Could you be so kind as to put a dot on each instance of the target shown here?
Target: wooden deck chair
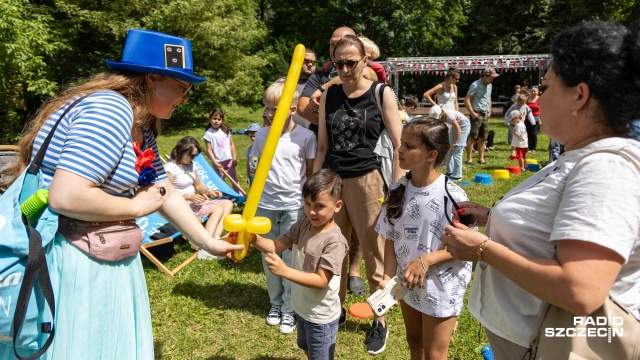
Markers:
(8, 157)
(150, 225)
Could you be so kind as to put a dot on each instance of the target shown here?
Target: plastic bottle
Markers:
(33, 207)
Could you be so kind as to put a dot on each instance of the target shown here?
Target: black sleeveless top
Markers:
(353, 128)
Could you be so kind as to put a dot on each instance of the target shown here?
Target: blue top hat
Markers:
(152, 52)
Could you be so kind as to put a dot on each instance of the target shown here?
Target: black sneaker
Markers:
(377, 339)
(343, 317)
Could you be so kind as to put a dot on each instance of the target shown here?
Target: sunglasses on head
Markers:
(467, 220)
(350, 64)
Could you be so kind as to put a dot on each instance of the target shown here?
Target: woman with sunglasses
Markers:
(446, 92)
(569, 234)
(351, 121)
(102, 166)
(183, 174)
(412, 220)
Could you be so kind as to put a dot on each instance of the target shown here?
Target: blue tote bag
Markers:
(27, 306)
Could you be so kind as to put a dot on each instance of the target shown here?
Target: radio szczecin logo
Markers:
(590, 327)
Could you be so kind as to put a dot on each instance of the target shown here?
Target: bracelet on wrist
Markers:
(321, 89)
(481, 249)
(422, 263)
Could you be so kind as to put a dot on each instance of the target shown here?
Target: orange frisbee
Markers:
(361, 310)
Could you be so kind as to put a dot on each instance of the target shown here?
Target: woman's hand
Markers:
(215, 194)
(232, 238)
(470, 208)
(223, 247)
(234, 162)
(462, 242)
(196, 198)
(148, 199)
(275, 264)
(414, 273)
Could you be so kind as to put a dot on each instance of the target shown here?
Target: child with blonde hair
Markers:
(281, 199)
(373, 52)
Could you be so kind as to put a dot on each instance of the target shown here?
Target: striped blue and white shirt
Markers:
(94, 141)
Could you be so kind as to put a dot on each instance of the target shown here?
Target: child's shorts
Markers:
(203, 209)
(521, 153)
(319, 340)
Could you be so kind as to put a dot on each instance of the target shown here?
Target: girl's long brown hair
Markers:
(132, 86)
(434, 135)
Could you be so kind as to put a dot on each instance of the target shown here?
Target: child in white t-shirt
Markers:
(525, 111)
(519, 140)
(220, 147)
(281, 199)
(319, 248)
(412, 220)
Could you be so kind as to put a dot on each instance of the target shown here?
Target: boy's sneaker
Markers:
(288, 323)
(377, 339)
(275, 316)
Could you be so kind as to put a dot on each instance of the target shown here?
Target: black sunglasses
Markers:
(340, 64)
(465, 219)
(193, 156)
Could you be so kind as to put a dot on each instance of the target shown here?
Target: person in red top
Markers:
(532, 130)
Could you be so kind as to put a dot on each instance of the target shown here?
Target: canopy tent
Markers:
(467, 64)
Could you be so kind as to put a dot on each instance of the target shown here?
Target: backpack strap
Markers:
(379, 91)
(36, 268)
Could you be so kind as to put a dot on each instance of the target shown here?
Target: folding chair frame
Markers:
(144, 250)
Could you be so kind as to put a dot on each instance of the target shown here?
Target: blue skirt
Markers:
(102, 308)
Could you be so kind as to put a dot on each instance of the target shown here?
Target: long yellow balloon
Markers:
(249, 223)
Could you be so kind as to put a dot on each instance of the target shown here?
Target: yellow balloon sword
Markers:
(248, 222)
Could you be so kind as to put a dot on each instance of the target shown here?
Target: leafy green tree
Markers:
(25, 41)
(398, 27)
(224, 37)
(521, 27)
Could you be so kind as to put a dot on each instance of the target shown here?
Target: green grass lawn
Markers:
(216, 309)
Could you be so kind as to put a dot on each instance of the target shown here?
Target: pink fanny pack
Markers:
(105, 241)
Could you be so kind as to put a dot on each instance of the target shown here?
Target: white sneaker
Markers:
(288, 323)
(204, 255)
(275, 316)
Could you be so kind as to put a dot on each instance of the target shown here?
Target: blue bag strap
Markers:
(36, 262)
(34, 167)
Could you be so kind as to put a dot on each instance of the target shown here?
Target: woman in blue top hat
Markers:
(102, 308)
